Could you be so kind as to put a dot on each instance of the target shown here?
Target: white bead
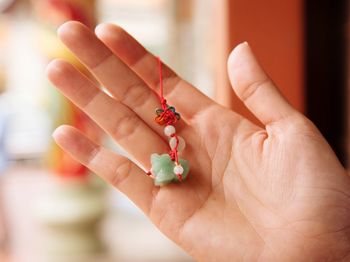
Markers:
(180, 147)
(178, 170)
(169, 130)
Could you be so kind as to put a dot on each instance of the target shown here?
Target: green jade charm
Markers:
(163, 169)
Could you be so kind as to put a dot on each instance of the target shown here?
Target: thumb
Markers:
(254, 87)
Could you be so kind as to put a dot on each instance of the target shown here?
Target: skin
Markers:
(270, 193)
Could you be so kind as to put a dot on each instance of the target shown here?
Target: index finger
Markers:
(188, 99)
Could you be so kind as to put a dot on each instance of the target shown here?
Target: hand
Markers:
(276, 193)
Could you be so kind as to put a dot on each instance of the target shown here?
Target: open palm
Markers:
(270, 194)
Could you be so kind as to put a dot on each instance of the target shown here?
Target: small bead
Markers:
(180, 147)
(178, 170)
(169, 130)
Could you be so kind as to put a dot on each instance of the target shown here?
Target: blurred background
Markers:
(52, 208)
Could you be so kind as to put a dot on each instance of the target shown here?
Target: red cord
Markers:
(168, 114)
(161, 96)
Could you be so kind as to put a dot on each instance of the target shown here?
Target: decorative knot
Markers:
(169, 116)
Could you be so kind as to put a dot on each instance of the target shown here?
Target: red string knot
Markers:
(167, 116)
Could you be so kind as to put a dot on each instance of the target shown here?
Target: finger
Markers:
(113, 168)
(186, 98)
(117, 77)
(121, 82)
(133, 54)
(114, 117)
(187, 103)
(254, 87)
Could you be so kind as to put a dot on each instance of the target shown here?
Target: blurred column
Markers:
(50, 14)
